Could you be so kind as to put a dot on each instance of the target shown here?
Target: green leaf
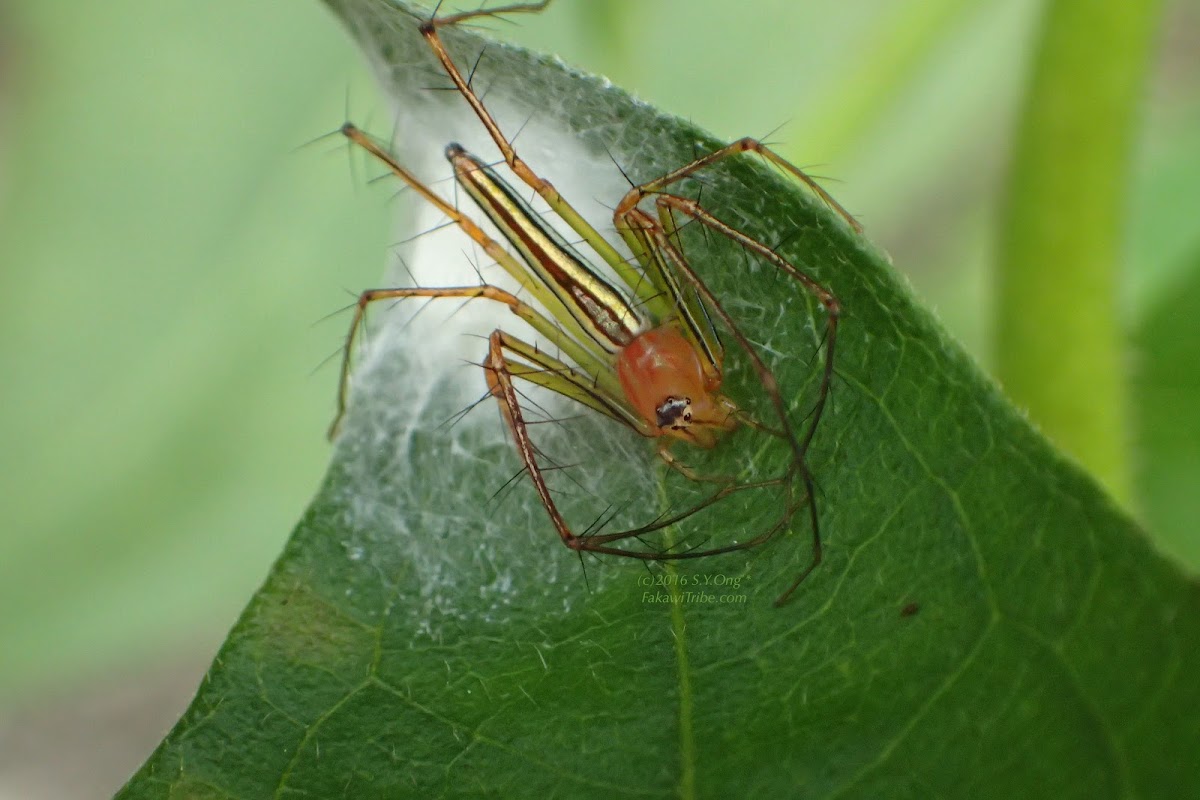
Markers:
(1168, 394)
(986, 621)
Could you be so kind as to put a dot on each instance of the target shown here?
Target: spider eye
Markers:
(675, 413)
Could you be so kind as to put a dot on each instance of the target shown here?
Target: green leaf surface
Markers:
(986, 623)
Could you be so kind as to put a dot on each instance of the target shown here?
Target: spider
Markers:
(645, 354)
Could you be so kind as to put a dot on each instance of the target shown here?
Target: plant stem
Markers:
(1060, 344)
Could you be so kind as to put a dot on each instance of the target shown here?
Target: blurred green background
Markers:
(168, 252)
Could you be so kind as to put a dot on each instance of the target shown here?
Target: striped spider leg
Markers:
(646, 355)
